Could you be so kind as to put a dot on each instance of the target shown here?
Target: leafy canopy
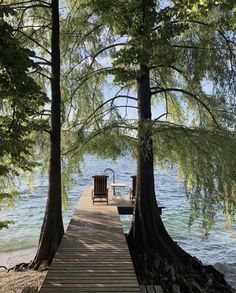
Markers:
(21, 101)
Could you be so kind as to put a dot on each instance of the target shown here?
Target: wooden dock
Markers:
(93, 255)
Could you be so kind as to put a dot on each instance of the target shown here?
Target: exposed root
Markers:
(152, 268)
(3, 267)
(40, 265)
(22, 267)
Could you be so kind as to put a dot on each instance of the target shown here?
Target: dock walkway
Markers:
(93, 255)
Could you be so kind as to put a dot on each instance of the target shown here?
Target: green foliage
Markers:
(205, 159)
(21, 101)
(109, 140)
(5, 224)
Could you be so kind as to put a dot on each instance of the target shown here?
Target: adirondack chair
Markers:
(100, 190)
(132, 190)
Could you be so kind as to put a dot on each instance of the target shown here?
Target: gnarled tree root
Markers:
(152, 268)
(23, 266)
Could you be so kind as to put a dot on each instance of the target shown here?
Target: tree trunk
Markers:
(157, 257)
(52, 229)
(147, 225)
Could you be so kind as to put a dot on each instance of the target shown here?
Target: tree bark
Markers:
(145, 191)
(52, 229)
(147, 224)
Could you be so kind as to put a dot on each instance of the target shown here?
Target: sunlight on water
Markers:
(219, 249)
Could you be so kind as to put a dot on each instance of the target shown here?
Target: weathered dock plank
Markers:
(93, 255)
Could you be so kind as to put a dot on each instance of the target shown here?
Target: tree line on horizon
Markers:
(179, 55)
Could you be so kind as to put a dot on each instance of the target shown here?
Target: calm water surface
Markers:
(219, 249)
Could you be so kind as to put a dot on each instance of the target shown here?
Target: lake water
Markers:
(219, 249)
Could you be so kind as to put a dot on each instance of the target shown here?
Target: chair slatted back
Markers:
(134, 179)
(100, 185)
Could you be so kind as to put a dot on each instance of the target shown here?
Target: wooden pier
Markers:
(93, 255)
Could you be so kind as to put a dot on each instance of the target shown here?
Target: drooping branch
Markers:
(75, 65)
(93, 57)
(96, 115)
(194, 96)
(86, 77)
(176, 127)
(46, 62)
(100, 131)
(107, 48)
(173, 67)
(108, 101)
(43, 75)
(84, 36)
(108, 127)
(231, 53)
(103, 50)
(159, 117)
(105, 112)
(35, 41)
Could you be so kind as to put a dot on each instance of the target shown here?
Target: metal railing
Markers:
(113, 176)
